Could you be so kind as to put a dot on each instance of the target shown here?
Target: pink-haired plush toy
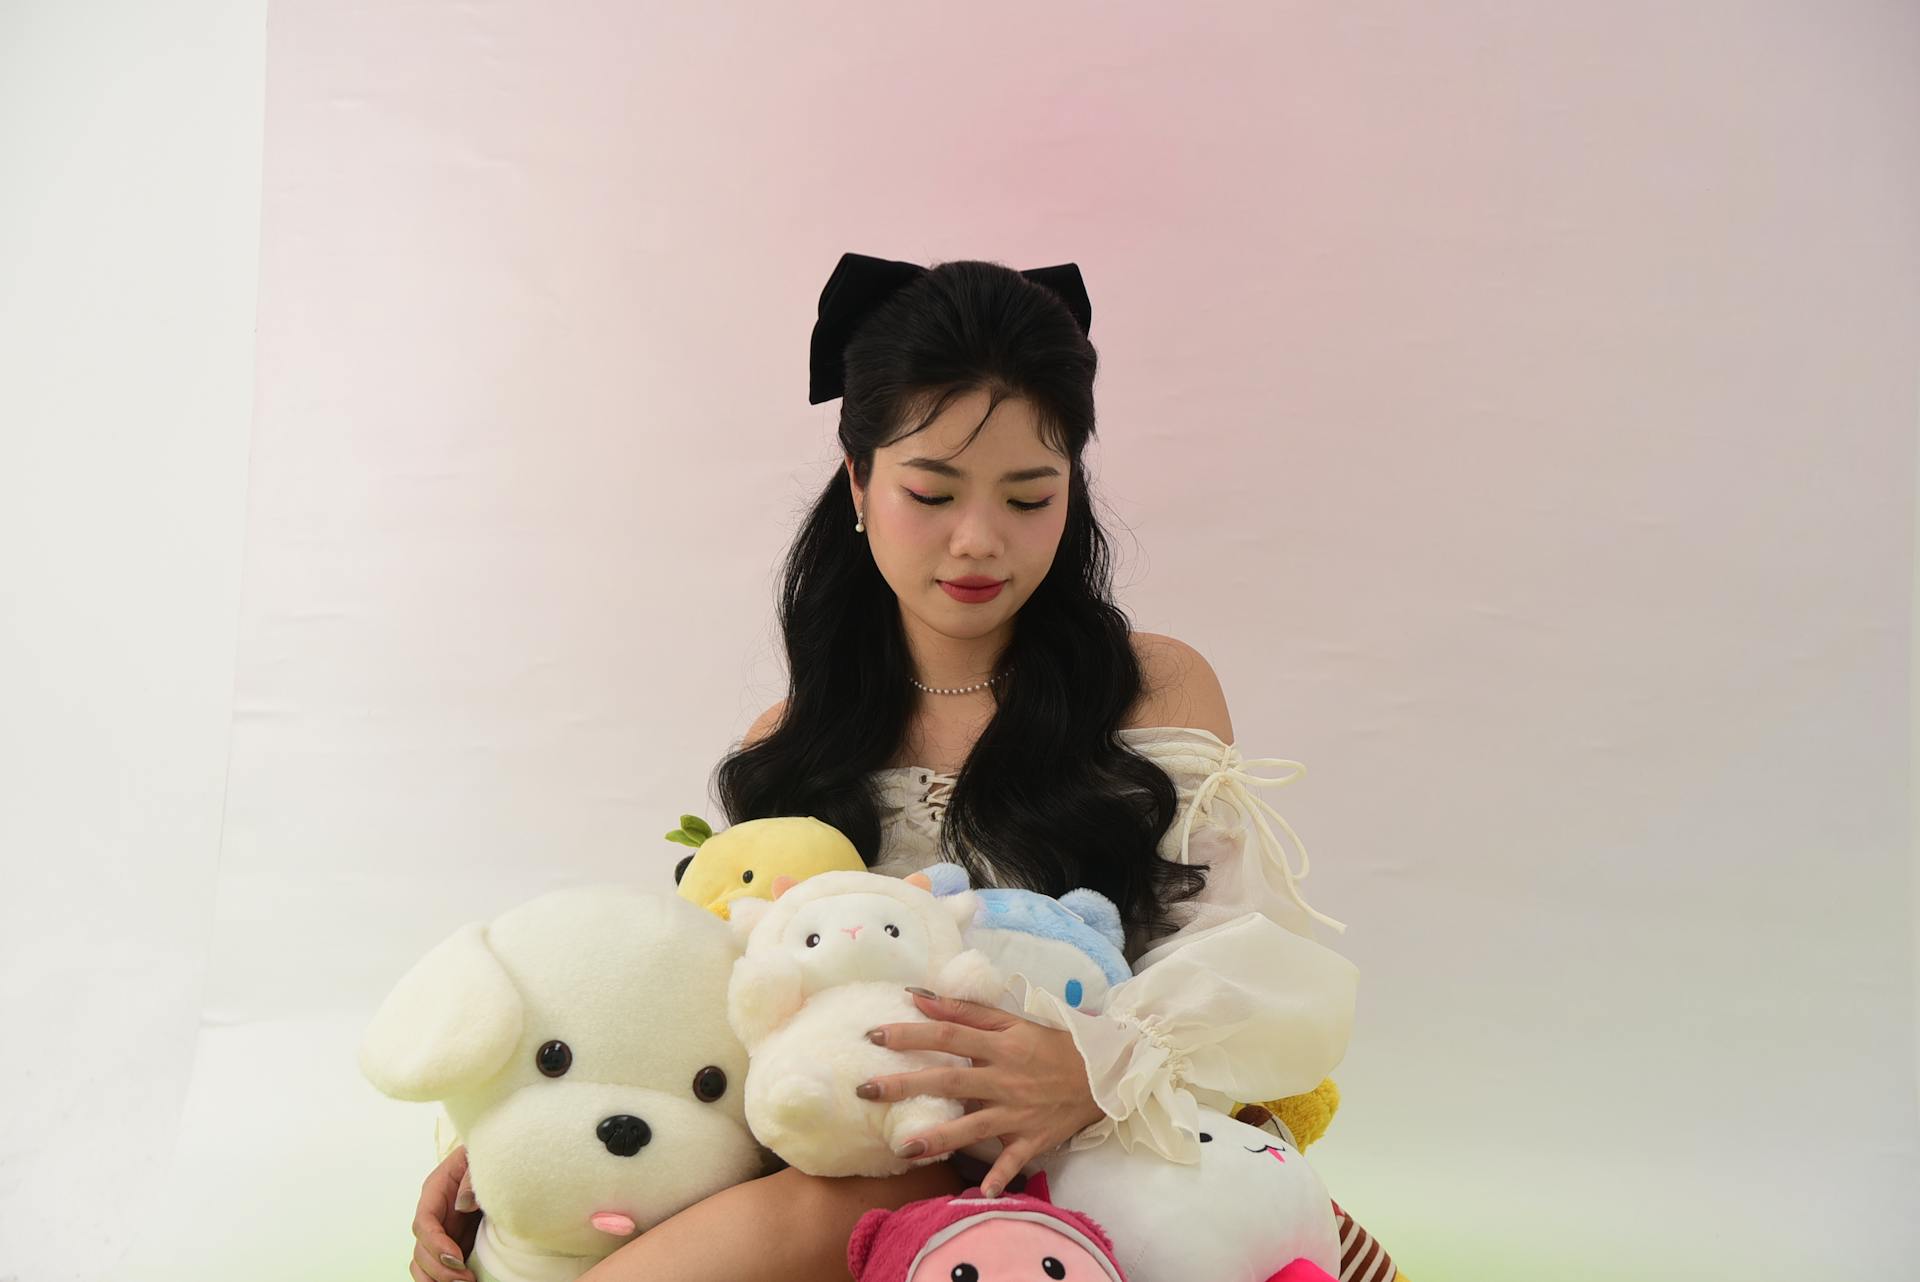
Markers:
(1017, 1237)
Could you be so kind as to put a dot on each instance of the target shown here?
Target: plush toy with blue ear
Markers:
(1070, 946)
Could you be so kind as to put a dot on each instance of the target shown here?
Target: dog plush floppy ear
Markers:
(448, 1025)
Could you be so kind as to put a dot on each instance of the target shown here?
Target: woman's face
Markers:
(995, 512)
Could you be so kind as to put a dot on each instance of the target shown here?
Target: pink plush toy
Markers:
(1017, 1237)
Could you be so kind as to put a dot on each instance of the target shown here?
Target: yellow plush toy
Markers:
(1307, 1116)
(744, 861)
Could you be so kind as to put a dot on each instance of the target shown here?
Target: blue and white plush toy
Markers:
(1070, 946)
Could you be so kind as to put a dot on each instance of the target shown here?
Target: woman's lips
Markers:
(972, 596)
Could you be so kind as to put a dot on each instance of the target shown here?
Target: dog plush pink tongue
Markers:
(612, 1222)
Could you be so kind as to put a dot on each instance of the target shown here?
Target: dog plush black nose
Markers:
(624, 1135)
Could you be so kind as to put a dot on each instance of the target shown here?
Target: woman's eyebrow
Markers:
(939, 468)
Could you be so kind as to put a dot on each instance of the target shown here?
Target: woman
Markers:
(962, 686)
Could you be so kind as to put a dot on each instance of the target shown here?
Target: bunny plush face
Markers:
(580, 1045)
(842, 927)
(860, 937)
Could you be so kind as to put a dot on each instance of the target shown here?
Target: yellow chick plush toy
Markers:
(744, 861)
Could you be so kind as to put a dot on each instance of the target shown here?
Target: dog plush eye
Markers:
(813, 941)
(709, 1084)
(1053, 1268)
(1205, 1138)
(893, 930)
(554, 1059)
(964, 1273)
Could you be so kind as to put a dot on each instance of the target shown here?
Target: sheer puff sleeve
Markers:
(1239, 1002)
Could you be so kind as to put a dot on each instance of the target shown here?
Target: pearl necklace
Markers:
(979, 685)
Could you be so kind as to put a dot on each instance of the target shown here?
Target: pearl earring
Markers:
(859, 522)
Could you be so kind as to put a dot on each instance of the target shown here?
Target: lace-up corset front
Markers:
(1214, 783)
(937, 789)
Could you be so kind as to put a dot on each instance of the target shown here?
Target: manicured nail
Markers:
(465, 1201)
(878, 1036)
(452, 1261)
(912, 1148)
(867, 1090)
(921, 992)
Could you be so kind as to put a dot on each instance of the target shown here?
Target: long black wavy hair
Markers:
(1050, 799)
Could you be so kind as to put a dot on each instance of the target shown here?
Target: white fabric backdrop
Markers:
(1517, 406)
(130, 139)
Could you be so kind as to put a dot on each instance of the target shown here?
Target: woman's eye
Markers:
(813, 941)
(893, 930)
(936, 500)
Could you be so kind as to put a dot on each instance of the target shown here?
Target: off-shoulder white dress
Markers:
(1239, 1002)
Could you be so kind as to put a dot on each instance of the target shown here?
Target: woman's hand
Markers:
(1029, 1079)
(444, 1223)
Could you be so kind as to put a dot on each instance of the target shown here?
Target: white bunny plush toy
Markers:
(579, 1043)
(827, 959)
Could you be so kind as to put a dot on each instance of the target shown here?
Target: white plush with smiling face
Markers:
(1248, 1208)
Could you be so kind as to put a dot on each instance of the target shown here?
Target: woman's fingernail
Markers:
(867, 1090)
(921, 992)
(452, 1261)
(912, 1148)
(878, 1036)
(465, 1201)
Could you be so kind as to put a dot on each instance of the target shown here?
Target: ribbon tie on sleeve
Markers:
(1232, 777)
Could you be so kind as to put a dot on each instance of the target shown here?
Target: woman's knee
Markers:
(832, 1206)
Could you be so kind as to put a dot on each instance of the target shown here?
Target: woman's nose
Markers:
(975, 538)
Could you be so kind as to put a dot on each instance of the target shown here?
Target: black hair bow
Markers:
(861, 283)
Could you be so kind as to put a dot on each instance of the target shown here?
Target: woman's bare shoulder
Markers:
(1182, 688)
(763, 725)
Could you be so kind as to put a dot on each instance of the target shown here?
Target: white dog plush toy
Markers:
(580, 1044)
(826, 960)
